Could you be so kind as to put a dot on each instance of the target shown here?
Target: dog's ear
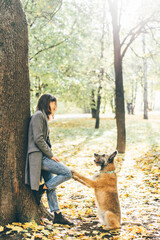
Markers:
(112, 156)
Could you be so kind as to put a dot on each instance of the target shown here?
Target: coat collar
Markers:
(45, 115)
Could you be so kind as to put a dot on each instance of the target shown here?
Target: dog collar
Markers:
(107, 171)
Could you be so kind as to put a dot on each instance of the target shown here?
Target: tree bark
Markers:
(17, 202)
(120, 109)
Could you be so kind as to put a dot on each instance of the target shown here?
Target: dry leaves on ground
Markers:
(138, 183)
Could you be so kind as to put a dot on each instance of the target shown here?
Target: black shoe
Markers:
(38, 194)
(60, 219)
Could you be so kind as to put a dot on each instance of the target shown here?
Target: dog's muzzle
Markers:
(97, 162)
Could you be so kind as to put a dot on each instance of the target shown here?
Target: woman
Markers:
(40, 158)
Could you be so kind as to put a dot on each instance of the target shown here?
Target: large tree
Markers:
(17, 201)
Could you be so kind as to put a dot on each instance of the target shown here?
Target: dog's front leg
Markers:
(81, 181)
(86, 181)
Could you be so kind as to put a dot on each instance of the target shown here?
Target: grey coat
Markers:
(38, 136)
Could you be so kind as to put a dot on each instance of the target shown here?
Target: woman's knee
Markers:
(68, 174)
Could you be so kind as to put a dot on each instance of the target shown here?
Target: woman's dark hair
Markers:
(44, 101)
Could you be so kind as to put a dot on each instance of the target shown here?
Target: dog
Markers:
(105, 187)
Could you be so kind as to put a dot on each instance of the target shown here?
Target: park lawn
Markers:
(74, 142)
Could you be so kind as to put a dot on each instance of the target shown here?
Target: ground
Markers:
(75, 141)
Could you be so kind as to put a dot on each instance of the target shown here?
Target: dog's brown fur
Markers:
(105, 187)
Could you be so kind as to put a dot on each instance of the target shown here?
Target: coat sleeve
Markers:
(38, 135)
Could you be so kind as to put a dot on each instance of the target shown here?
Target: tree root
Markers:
(44, 212)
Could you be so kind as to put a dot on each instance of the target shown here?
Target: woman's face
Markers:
(53, 106)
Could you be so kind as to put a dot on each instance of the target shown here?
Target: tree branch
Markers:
(133, 36)
(153, 35)
(54, 45)
(60, 5)
(44, 14)
(135, 32)
(129, 34)
(25, 7)
(47, 48)
(135, 53)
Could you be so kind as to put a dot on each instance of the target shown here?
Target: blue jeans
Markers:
(50, 167)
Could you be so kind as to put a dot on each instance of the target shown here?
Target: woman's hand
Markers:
(55, 159)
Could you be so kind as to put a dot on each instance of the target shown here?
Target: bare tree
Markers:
(120, 110)
(120, 49)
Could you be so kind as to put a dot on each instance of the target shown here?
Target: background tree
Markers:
(120, 109)
(145, 83)
(102, 70)
(120, 49)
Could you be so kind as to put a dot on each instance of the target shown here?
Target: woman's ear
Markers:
(112, 156)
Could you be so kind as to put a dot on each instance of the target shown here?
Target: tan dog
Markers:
(105, 187)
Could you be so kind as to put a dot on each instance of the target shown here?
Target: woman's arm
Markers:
(38, 135)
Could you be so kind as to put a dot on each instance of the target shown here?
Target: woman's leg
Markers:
(51, 194)
(62, 172)
(50, 167)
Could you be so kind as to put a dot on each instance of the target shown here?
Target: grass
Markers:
(79, 133)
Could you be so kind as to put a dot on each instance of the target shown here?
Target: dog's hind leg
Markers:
(101, 217)
(111, 220)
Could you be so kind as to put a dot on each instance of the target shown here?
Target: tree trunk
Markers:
(98, 107)
(120, 109)
(145, 90)
(93, 104)
(17, 202)
(101, 76)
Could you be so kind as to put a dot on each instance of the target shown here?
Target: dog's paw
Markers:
(73, 172)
